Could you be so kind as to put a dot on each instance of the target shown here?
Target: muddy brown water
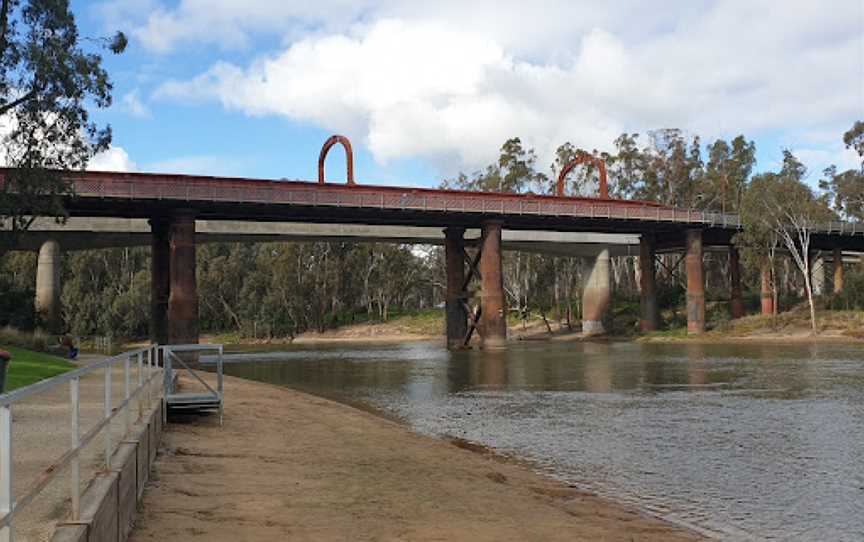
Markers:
(738, 441)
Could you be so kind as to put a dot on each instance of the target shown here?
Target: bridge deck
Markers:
(142, 195)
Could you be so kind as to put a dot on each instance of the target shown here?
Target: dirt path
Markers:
(289, 466)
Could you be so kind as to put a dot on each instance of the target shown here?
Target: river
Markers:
(737, 441)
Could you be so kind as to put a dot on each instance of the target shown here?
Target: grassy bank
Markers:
(832, 325)
(28, 367)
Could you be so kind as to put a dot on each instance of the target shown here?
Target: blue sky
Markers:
(424, 91)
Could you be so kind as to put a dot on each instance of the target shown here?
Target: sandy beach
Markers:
(287, 465)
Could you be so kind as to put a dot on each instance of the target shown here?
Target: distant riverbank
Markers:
(314, 469)
(791, 326)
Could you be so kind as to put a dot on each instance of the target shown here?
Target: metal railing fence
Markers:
(147, 375)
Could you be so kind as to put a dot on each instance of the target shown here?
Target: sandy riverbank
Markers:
(288, 465)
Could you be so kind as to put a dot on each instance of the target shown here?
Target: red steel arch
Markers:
(349, 157)
(581, 159)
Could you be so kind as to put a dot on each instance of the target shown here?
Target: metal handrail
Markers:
(168, 358)
(10, 506)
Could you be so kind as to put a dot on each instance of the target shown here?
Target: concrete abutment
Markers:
(596, 295)
(48, 285)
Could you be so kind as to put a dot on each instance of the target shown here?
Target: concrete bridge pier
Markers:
(817, 274)
(695, 283)
(183, 297)
(838, 270)
(493, 320)
(455, 314)
(596, 295)
(48, 285)
(650, 320)
(736, 301)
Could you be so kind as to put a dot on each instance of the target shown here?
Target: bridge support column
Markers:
(817, 274)
(455, 314)
(766, 294)
(183, 299)
(695, 284)
(493, 321)
(736, 302)
(838, 270)
(48, 285)
(596, 295)
(648, 284)
(160, 279)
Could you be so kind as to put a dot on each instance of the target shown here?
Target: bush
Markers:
(37, 340)
(852, 296)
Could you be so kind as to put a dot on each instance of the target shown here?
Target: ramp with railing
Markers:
(207, 397)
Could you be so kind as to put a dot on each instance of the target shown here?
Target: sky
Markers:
(425, 90)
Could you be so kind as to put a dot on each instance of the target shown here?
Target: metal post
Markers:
(125, 396)
(220, 386)
(6, 502)
(75, 440)
(166, 368)
(140, 385)
(108, 416)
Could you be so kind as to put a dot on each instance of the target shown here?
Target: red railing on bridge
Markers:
(188, 188)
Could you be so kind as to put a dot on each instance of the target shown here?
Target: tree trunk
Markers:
(809, 287)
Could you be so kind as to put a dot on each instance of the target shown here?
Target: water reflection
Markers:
(754, 441)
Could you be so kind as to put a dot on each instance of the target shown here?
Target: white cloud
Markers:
(443, 90)
(131, 103)
(817, 159)
(449, 81)
(113, 159)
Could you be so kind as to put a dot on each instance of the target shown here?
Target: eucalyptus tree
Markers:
(780, 209)
(846, 188)
(726, 174)
(47, 80)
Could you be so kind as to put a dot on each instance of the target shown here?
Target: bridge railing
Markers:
(143, 391)
(392, 198)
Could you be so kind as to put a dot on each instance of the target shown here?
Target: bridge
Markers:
(175, 206)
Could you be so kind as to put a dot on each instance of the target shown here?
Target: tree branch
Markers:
(4, 25)
(15, 103)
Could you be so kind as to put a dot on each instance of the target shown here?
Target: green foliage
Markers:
(847, 191)
(513, 172)
(17, 290)
(280, 289)
(107, 292)
(47, 80)
(854, 139)
(28, 367)
(852, 296)
(726, 174)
